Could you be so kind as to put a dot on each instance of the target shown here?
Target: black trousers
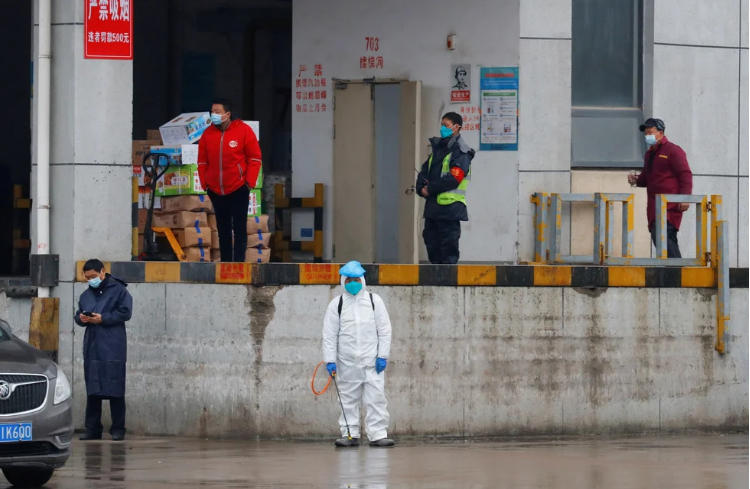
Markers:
(94, 414)
(673, 247)
(231, 216)
(441, 239)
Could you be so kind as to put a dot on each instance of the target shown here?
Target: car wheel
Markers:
(24, 477)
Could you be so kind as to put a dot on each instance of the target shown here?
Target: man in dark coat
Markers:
(103, 309)
(443, 183)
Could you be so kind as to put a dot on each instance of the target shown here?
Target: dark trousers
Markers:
(94, 414)
(441, 239)
(673, 247)
(231, 216)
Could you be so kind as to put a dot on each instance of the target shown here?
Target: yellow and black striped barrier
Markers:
(423, 275)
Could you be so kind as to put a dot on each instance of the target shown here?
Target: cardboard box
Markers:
(185, 128)
(259, 181)
(180, 220)
(257, 223)
(141, 147)
(253, 255)
(212, 222)
(142, 215)
(258, 240)
(254, 240)
(195, 203)
(193, 237)
(140, 175)
(154, 135)
(180, 180)
(255, 126)
(173, 153)
(253, 207)
(189, 154)
(257, 255)
(144, 198)
(198, 254)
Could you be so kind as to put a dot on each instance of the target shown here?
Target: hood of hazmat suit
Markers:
(354, 340)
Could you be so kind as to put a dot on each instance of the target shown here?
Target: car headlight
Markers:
(62, 387)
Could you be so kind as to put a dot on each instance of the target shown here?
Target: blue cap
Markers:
(352, 269)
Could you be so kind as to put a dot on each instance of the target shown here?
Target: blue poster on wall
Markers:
(498, 95)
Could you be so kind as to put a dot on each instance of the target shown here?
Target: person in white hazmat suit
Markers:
(356, 347)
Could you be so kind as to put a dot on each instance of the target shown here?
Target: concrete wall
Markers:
(700, 90)
(466, 361)
(412, 42)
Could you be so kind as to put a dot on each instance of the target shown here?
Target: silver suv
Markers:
(36, 421)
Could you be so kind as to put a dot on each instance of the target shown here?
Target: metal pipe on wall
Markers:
(43, 133)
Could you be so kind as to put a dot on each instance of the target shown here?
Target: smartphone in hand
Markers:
(87, 314)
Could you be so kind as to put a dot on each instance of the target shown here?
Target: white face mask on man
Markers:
(217, 119)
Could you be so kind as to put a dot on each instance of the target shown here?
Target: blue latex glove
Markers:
(380, 364)
(331, 367)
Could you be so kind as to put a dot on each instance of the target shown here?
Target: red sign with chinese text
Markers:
(108, 29)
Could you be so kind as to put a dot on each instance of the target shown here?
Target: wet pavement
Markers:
(707, 462)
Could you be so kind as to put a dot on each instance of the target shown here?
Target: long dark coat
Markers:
(105, 346)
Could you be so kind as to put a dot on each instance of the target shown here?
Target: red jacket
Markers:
(229, 159)
(665, 171)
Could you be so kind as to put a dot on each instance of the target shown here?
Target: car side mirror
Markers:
(6, 327)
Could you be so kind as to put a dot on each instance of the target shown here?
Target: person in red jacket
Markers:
(665, 171)
(228, 167)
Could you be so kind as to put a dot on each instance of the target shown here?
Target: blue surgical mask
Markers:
(216, 119)
(353, 287)
(445, 132)
(650, 140)
(95, 282)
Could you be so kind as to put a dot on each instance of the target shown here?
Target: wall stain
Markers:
(591, 292)
(261, 309)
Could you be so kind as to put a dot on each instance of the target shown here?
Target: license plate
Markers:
(15, 432)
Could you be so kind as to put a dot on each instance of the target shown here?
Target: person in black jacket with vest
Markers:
(443, 181)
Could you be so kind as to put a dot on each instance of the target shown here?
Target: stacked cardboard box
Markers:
(187, 217)
(180, 203)
(258, 240)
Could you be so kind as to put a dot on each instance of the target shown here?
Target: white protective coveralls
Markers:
(354, 341)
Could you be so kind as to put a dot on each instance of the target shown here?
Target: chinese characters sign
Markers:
(471, 117)
(498, 89)
(311, 89)
(321, 274)
(108, 29)
(460, 83)
(372, 61)
(234, 273)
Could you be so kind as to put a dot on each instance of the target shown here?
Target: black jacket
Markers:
(461, 156)
(105, 346)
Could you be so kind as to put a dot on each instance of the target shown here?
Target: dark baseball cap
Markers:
(650, 122)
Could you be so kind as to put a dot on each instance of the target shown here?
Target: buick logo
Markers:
(5, 390)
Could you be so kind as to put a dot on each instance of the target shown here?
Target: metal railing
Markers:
(548, 232)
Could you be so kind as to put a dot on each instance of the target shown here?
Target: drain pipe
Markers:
(43, 133)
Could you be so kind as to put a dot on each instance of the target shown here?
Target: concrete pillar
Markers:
(90, 154)
(90, 157)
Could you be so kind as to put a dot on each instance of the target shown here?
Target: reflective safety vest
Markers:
(457, 194)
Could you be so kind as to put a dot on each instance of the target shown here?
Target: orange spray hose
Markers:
(312, 382)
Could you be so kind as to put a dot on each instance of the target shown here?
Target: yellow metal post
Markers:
(44, 325)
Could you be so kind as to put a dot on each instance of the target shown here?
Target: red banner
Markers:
(108, 29)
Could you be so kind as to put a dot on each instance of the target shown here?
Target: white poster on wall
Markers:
(461, 83)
